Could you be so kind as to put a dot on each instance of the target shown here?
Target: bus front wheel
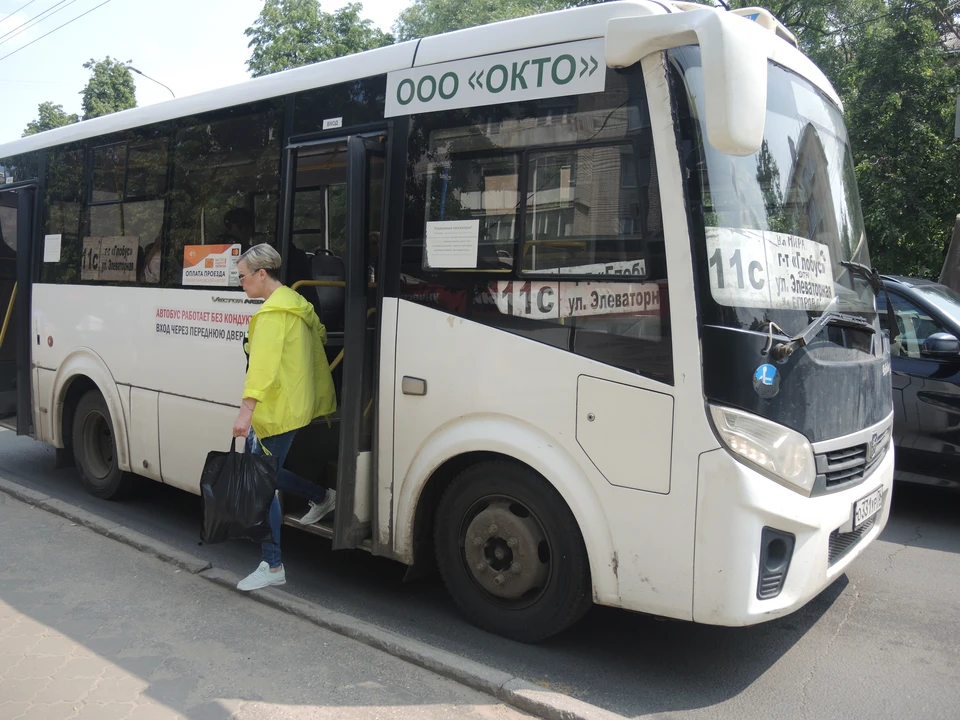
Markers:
(95, 448)
(510, 552)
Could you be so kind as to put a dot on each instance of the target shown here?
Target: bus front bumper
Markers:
(734, 506)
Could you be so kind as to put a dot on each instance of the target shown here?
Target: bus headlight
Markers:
(780, 453)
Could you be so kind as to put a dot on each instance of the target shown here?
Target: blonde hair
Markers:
(263, 257)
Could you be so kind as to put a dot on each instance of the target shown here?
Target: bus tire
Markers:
(95, 448)
(511, 553)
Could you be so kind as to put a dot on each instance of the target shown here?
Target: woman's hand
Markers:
(241, 426)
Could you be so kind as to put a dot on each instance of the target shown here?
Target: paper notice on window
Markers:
(211, 265)
(110, 259)
(51, 248)
(452, 244)
(758, 269)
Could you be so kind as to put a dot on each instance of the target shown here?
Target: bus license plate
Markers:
(867, 507)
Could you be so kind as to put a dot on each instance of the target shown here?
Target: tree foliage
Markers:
(49, 116)
(901, 118)
(109, 90)
(292, 33)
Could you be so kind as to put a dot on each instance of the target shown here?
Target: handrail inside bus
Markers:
(331, 283)
(6, 319)
(318, 283)
(577, 244)
(324, 283)
(339, 357)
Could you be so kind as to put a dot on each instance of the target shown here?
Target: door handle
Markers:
(413, 386)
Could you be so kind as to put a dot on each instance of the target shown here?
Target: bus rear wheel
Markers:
(510, 552)
(95, 448)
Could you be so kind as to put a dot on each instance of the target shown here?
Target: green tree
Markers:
(900, 106)
(110, 88)
(292, 33)
(49, 116)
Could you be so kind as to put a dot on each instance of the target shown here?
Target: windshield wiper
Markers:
(869, 274)
(872, 276)
(781, 351)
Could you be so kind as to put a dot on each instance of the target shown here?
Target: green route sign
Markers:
(550, 71)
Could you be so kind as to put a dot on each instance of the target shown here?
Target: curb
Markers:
(511, 690)
(514, 691)
(141, 542)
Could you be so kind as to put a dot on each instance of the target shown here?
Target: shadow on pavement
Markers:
(924, 516)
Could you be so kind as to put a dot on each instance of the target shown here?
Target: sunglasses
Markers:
(241, 277)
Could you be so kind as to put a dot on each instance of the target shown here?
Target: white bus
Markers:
(592, 334)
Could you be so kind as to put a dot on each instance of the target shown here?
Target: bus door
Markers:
(16, 224)
(331, 229)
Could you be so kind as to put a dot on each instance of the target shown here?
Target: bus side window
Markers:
(66, 189)
(127, 200)
(563, 197)
(317, 246)
(224, 188)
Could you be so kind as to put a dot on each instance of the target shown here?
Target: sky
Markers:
(188, 45)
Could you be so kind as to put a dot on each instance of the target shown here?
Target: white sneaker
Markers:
(262, 577)
(318, 511)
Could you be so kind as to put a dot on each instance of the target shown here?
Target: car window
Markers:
(944, 299)
(915, 326)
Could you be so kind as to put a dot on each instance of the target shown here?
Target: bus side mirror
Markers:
(941, 346)
(734, 53)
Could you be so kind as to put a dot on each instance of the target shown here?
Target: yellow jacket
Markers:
(288, 374)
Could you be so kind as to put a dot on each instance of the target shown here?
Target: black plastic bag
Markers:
(237, 490)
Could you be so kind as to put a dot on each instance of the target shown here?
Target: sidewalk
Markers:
(90, 628)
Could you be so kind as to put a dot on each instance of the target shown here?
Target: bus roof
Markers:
(518, 34)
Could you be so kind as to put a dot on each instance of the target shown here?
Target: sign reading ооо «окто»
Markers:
(552, 71)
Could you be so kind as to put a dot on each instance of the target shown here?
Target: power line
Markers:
(49, 14)
(18, 10)
(54, 30)
(37, 18)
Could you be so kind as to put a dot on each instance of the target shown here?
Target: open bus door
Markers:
(334, 214)
(16, 225)
(366, 192)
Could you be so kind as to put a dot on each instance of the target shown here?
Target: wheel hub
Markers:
(98, 441)
(506, 550)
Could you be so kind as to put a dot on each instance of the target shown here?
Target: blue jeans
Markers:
(288, 482)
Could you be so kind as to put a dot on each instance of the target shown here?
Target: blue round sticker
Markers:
(766, 381)
(765, 374)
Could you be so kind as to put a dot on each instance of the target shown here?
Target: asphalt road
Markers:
(881, 642)
(149, 641)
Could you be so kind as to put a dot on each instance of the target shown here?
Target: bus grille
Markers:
(841, 543)
(844, 466)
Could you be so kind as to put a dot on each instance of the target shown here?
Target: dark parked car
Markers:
(926, 380)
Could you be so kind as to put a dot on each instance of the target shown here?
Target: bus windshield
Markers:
(770, 233)
(776, 224)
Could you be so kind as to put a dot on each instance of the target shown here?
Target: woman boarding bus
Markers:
(288, 384)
